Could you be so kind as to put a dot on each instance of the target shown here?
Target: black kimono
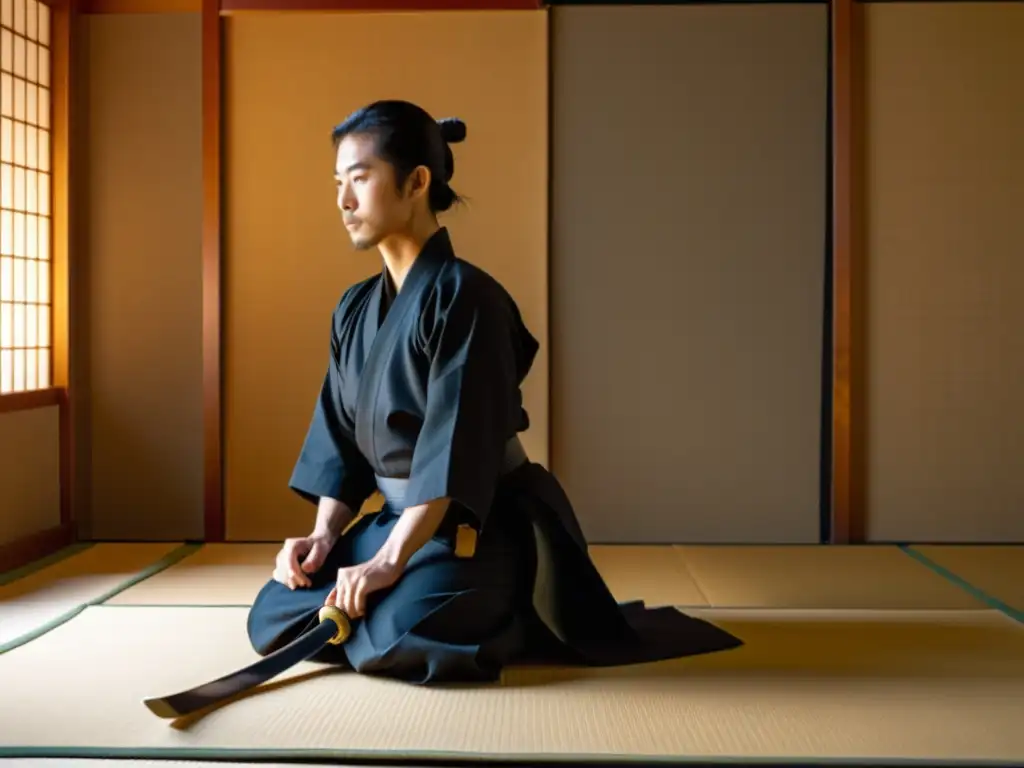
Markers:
(422, 400)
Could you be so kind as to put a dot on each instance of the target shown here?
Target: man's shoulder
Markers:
(468, 282)
(474, 294)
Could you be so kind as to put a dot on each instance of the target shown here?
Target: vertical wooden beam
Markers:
(62, 243)
(848, 269)
(213, 495)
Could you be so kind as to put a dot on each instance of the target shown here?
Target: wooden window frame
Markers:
(16, 553)
(60, 43)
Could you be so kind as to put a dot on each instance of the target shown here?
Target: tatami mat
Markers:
(32, 603)
(856, 577)
(720, 576)
(866, 685)
(996, 570)
(232, 574)
(653, 574)
(218, 574)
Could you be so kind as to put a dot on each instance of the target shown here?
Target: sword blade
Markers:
(333, 628)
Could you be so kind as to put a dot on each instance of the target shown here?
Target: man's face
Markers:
(372, 207)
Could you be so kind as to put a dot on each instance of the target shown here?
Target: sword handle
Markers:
(335, 614)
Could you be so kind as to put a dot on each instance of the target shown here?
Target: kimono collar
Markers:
(438, 247)
(436, 250)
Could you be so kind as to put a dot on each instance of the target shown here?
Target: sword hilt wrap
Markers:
(341, 621)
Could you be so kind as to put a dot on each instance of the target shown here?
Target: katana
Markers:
(334, 629)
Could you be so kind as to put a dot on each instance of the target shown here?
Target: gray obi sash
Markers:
(395, 489)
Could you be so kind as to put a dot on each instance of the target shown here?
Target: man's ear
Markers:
(418, 182)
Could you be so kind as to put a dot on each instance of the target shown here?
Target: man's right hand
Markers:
(287, 568)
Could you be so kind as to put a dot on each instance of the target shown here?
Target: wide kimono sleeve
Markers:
(329, 463)
(473, 402)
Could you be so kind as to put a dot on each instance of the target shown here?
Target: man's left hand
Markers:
(357, 582)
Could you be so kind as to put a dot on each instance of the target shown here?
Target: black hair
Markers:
(407, 137)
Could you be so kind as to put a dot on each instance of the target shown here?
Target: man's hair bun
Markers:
(453, 130)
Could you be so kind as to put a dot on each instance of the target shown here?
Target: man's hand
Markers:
(357, 582)
(414, 528)
(314, 548)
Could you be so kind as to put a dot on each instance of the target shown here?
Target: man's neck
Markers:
(400, 251)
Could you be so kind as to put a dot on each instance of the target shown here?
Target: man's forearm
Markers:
(415, 527)
(332, 517)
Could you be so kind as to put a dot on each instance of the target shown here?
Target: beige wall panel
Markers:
(687, 269)
(144, 215)
(945, 262)
(29, 472)
(289, 80)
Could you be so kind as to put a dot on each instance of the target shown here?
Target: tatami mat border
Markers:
(453, 759)
(174, 556)
(976, 592)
